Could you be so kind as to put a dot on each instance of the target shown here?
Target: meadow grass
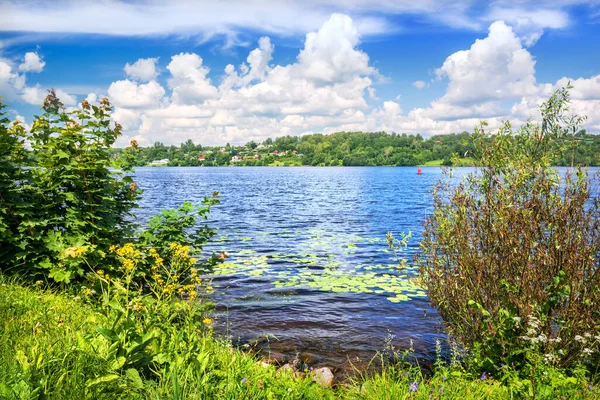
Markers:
(45, 353)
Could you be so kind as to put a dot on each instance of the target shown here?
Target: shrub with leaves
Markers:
(510, 254)
(66, 197)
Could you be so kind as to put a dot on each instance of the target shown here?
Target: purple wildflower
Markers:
(243, 381)
(483, 376)
(414, 386)
(444, 378)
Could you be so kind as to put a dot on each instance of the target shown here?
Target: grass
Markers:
(49, 350)
(462, 162)
(287, 162)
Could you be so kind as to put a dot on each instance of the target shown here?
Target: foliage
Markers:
(348, 149)
(51, 348)
(511, 253)
(68, 203)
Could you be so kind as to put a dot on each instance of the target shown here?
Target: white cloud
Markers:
(419, 84)
(330, 54)
(34, 95)
(326, 88)
(583, 89)
(143, 69)
(530, 23)
(32, 63)
(494, 68)
(208, 18)
(92, 98)
(188, 79)
(127, 93)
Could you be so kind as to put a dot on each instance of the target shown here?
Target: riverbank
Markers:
(45, 351)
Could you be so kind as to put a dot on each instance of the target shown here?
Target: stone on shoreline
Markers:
(323, 376)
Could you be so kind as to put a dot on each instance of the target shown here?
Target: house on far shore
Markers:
(275, 153)
(160, 163)
(201, 157)
(235, 159)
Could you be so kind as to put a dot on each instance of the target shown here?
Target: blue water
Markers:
(288, 231)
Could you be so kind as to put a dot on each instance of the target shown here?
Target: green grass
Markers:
(462, 162)
(45, 352)
(287, 161)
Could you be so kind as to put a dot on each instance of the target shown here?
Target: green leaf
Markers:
(134, 377)
(103, 379)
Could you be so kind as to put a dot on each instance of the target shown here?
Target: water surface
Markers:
(309, 267)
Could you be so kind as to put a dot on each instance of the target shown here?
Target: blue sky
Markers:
(236, 71)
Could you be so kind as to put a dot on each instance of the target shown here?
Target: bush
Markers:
(511, 252)
(65, 196)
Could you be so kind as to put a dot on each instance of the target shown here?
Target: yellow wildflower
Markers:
(128, 265)
(206, 321)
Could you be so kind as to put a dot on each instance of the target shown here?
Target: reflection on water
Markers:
(309, 267)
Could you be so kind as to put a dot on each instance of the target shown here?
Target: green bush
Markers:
(510, 253)
(65, 196)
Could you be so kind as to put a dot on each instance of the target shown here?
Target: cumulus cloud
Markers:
(143, 69)
(326, 90)
(188, 79)
(32, 62)
(127, 93)
(496, 67)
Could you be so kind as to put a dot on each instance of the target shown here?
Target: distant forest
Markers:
(343, 149)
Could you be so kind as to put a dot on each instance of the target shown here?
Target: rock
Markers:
(286, 368)
(309, 359)
(276, 358)
(323, 376)
(264, 364)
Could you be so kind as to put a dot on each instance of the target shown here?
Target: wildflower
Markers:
(37, 283)
(243, 381)
(414, 386)
(587, 351)
(206, 321)
(517, 319)
(587, 335)
(128, 265)
(579, 338)
(444, 378)
(549, 358)
(483, 376)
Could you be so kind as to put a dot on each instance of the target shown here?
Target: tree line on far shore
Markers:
(346, 149)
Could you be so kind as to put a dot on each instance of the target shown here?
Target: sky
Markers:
(233, 71)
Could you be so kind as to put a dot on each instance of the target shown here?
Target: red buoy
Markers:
(419, 171)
